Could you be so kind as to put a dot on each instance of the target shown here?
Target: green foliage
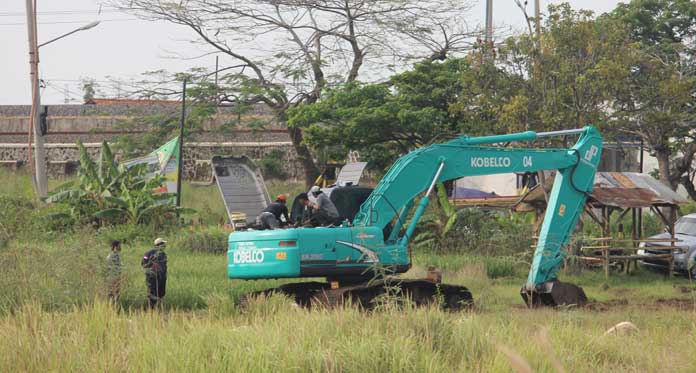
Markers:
(658, 22)
(210, 240)
(131, 234)
(476, 232)
(89, 88)
(654, 92)
(109, 194)
(504, 266)
(272, 165)
(689, 208)
(383, 121)
(15, 216)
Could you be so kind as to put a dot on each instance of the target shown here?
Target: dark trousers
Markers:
(114, 290)
(156, 288)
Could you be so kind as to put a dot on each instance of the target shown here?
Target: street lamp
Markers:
(181, 127)
(83, 28)
(40, 179)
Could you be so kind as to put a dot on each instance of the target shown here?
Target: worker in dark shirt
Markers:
(269, 218)
(155, 265)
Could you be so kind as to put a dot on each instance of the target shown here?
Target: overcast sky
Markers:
(122, 46)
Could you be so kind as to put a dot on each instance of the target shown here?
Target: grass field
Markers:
(53, 316)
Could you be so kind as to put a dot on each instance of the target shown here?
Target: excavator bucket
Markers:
(554, 293)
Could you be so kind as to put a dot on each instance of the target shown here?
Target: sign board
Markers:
(162, 161)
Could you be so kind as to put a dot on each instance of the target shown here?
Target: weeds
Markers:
(53, 316)
(208, 240)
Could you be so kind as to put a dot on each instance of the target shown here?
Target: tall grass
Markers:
(53, 316)
(275, 336)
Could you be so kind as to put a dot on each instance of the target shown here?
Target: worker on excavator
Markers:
(270, 217)
(324, 212)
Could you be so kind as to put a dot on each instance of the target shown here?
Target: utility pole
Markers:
(537, 19)
(40, 180)
(489, 22)
(180, 163)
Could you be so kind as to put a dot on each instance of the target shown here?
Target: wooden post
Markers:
(672, 233)
(606, 233)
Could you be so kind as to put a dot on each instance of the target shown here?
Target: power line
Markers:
(59, 12)
(73, 22)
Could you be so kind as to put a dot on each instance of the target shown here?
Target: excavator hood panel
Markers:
(311, 252)
(263, 254)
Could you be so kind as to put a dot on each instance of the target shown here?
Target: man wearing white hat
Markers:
(155, 265)
(324, 211)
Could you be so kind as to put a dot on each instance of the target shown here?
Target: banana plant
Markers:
(435, 226)
(107, 193)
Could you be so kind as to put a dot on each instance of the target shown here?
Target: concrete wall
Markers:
(63, 159)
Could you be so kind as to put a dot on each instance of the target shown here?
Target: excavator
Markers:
(359, 258)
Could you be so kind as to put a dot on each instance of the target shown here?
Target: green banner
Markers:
(162, 161)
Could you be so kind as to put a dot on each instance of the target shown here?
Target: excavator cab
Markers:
(346, 199)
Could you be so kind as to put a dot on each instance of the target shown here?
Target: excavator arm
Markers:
(394, 196)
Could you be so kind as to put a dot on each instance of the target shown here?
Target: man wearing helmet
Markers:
(269, 218)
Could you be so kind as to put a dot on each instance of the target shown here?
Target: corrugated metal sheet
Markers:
(617, 189)
(241, 185)
(631, 189)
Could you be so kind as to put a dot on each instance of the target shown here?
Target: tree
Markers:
(655, 97)
(89, 88)
(287, 52)
(564, 72)
(383, 121)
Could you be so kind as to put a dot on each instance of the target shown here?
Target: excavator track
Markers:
(370, 295)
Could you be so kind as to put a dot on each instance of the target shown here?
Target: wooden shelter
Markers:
(614, 193)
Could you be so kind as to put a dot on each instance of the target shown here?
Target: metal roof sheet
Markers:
(632, 189)
(617, 189)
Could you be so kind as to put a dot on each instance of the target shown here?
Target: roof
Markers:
(123, 101)
(632, 189)
(617, 189)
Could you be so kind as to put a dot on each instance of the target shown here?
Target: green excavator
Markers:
(358, 257)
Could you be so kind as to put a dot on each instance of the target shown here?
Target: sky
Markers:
(122, 47)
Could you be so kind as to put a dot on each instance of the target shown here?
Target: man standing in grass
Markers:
(113, 272)
(155, 265)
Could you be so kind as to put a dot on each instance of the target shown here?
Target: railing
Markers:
(608, 251)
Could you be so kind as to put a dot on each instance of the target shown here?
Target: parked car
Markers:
(684, 257)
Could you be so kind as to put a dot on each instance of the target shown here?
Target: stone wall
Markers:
(93, 124)
(63, 159)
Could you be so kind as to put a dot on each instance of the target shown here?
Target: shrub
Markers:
(478, 232)
(130, 233)
(18, 216)
(210, 240)
(504, 266)
(107, 193)
(272, 166)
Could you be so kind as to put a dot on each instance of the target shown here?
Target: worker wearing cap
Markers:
(324, 212)
(155, 265)
(269, 218)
